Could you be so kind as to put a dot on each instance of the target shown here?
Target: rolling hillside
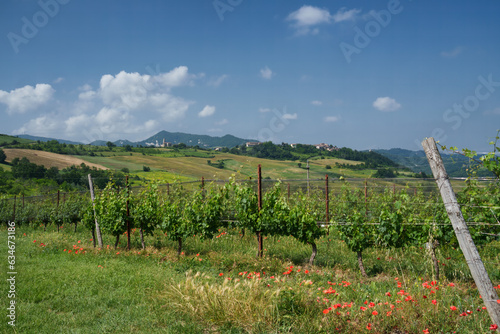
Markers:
(47, 159)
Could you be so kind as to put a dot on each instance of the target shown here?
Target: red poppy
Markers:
(453, 308)
(325, 311)
(434, 301)
(221, 274)
(375, 313)
(426, 331)
(494, 327)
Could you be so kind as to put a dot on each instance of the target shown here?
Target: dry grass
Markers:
(243, 304)
(47, 159)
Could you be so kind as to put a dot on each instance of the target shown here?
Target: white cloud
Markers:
(169, 106)
(316, 103)
(265, 110)
(345, 15)
(58, 80)
(207, 111)
(123, 104)
(332, 119)
(125, 90)
(26, 98)
(308, 15)
(452, 53)
(266, 73)
(216, 82)
(306, 19)
(289, 116)
(222, 122)
(386, 104)
(179, 76)
(44, 126)
(214, 130)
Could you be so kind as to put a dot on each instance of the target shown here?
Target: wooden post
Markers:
(168, 189)
(58, 197)
(259, 203)
(14, 210)
(97, 229)
(465, 241)
(288, 191)
(128, 212)
(327, 204)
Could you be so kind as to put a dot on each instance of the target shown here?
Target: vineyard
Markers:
(406, 225)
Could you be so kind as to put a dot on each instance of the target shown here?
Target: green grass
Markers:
(9, 139)
(116, 291)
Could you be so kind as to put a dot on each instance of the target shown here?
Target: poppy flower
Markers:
(375, 313)
(453, 308)
(325, 311)
(494, 327)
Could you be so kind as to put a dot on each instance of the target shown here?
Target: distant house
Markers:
(322, 146)
(252, 143)
(166, 144)
(218, 148)
(293, 145)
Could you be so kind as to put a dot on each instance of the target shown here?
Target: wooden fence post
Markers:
(327, 204)
(259, 203)
(128, 212)
(465, 241)
(97, 228)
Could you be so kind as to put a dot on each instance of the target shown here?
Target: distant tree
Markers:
(146, 168)
(299, 164)
(110, 145)
(328, 167)
(2, 156)
(125, 170)
(128, 148)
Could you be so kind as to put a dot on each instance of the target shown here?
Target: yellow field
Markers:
(47, 159)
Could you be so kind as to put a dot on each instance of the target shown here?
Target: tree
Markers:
(2, 156)
(110, 145)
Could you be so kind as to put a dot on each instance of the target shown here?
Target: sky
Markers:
(358, 74)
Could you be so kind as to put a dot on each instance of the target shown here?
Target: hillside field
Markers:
(47, 159)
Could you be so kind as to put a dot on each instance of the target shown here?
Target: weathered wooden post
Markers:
(465, 241)
(97, 228)
(259, 203)
(128, 213)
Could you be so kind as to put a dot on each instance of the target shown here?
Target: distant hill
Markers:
(45, 139)
(205, 141)
(193, 140)
(455, 164)
(6, 139)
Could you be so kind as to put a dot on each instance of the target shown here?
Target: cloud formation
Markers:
(207, 111)
(266, 73)
(452, 53)
(306, 19)
(125, 103)
(386, 104)
(26, 98)
(332, 119)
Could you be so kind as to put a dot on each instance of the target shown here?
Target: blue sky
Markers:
(361, 74)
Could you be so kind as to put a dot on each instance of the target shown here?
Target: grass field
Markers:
(47, 159)
(193, 168)
(10, 139)
(64, 285)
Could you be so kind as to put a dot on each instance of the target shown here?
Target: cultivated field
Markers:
(47, 159)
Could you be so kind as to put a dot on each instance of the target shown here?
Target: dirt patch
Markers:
(47, 159)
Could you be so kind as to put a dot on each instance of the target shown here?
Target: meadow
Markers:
(65, 285)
